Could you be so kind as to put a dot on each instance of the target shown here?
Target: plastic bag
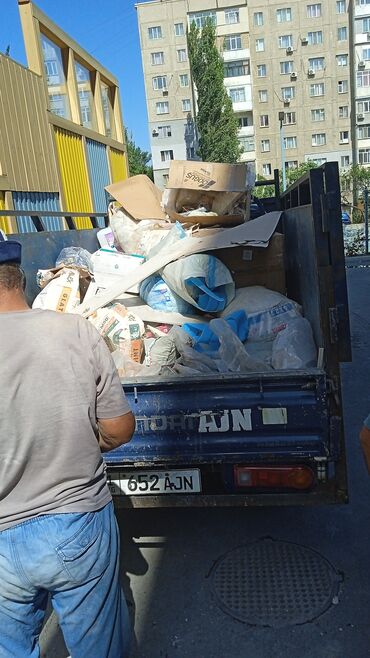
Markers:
(160, 351)
(202, 280)
(232, 351)
(205, 340)
(75, 256)
(181, 339)
(136, 237)
(127, 368)
(176, 233)
(294, 347)
(201, 362)
(156, 293)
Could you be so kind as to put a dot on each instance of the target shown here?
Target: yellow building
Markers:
(61, 129)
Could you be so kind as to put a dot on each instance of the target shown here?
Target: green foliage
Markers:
(138, 160)
(355, 179)
(292, 175)
(216, 123)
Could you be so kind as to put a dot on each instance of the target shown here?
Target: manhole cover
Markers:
(274, 583)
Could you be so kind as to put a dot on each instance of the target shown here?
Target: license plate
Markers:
(152, 483)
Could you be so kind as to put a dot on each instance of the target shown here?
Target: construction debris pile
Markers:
(184, 284)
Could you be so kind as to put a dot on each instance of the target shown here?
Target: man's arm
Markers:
(114, 432)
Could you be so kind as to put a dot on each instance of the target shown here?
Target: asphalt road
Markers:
(167, 554)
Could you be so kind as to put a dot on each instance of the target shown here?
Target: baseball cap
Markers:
(10, 251)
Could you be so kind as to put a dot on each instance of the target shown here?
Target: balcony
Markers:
(246, 131)
(231, 55)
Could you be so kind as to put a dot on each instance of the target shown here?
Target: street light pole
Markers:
(282, 146)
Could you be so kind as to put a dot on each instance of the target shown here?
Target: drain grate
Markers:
(274, 583)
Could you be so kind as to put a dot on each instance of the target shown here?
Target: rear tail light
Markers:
(274, 477)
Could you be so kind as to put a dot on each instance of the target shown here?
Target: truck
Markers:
(256, 439)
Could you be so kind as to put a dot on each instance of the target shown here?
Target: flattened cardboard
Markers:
(247, 259)
(139, 197)
(193, 175)
(256, 232)
(273, 279)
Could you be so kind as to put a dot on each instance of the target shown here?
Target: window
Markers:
(261, 71)
(343, 112)
(266, 169)
(286, 67)
(284, 15)
(265, 145)
(164, 131)
(364, 156)
(258, 18)
(320, 161)
(342, 86)
(363, 132)
(233, 42)
(317, 89)
(362, 2)
(162, 107)
(286, 41)
(243, 122)
(290, 142)
(314, 11)
(166, 155)
(55, 78)
(316, 63)
(264, 120)
(247, 144)
(344, 161)
(85, 96)
(260, 45)
(319, 139)
(237, 94)
(157, 58)
(366, 54)
(179, 29)
(186, 106)
(341, 6)
(231, 16)
(235, 69)
(342, 60)
(363, 78)
(344, 137)
(262, 95)
(289, 118)
(291, 164)
(159, 82)
(107, 105)
(342, 33)
(200, 17)
(181, 55)
(363, 106)
(288, 93)
(184, 80)
(363, 25)
(155, 32)
(318, 115)
(314, 38)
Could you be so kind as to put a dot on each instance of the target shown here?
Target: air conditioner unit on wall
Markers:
(368, 36)
(361, 65)
(289, 50)
(311, 73)
(165, 93)
(360, 117)
(293, 76)
(304, 41)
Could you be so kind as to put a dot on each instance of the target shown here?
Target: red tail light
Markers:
(274, 477)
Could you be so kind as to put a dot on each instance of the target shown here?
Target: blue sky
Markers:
(105, 28)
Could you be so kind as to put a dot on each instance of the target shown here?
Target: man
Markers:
(61, 405)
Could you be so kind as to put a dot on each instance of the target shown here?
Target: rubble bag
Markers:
(157, 294)
(201, 280)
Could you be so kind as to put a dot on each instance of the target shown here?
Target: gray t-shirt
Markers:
(56, 378)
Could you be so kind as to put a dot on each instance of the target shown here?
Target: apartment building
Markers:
(168, 86)
(301, 82)
(360, 23)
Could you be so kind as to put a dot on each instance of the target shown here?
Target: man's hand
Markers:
(365, 445)
(113, 432)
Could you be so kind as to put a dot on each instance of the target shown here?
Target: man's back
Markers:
(55, 380)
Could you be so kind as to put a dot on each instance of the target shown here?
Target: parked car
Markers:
(346, 218)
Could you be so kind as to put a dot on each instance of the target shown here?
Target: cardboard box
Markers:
(139, 197)
(216, 186)
(251, 266)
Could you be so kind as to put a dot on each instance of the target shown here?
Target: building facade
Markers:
(168, 86)
(287, 71)
(360, 25)
(61, 129)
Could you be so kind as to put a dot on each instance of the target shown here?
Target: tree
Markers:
(216, 123)
(292, 175)
(138, 160)
(353, 183)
